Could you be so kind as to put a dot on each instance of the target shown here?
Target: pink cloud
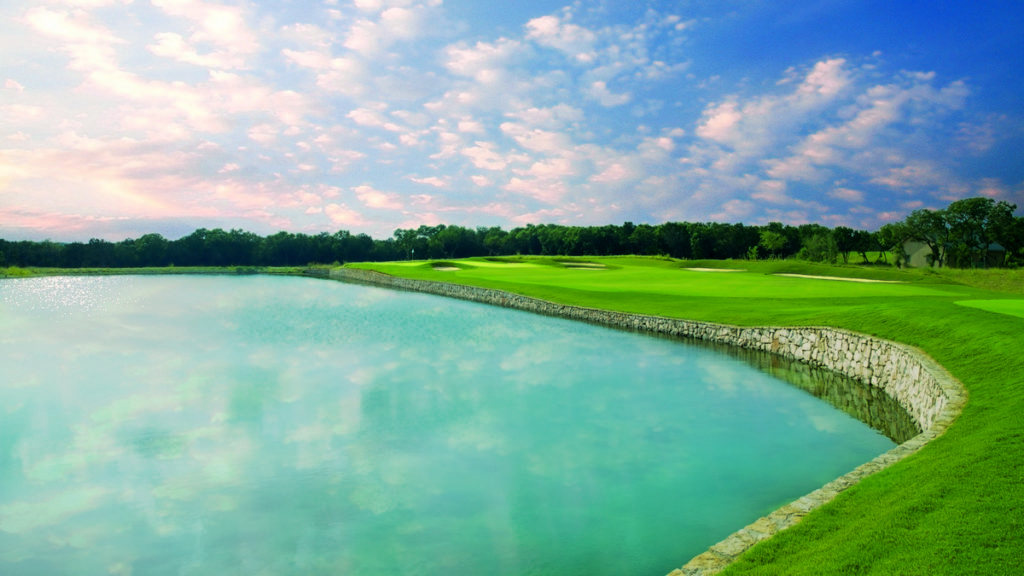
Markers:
(847, 195)
(484, 155)
(373, 198)
(431, 181)
(340, 214)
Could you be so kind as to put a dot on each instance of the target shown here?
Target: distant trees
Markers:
(891, 238)
(773, 242)
(963, 234)
(845, 240)
(930, 227)
(959, 235)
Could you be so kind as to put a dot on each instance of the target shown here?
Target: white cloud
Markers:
(912, 174)
(575, 41)
(599, 91)
(548, 191)
(341, 214)
(847, 195)
(395, 24)
(215, 24)
(251, 106)
(12, 113)
(484, 155)
(827, 79)
(373, 198)
(170, 45)
(471, 127)
(536, 139)
(734, 211)
(551, 118)
(773, 191)
(828, 124)
(263, 133)
(411, 118)
(75, 27)
(483, 61)
(379, 5)
(431, 181)
(316, 59)
(344, 75)
(550, 169)
(762, 122)
(720, 122)
(615, 172)
(373, 117)
(309, 35)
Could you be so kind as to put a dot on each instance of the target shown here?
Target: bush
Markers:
(820, 248)
(15, 272)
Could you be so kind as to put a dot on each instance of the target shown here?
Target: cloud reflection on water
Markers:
(347, 428)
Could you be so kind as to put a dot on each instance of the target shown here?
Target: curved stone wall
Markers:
(929, 394)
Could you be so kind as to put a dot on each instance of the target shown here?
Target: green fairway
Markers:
(1011, 307)
(956, 507)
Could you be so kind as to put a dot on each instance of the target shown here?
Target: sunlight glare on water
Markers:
(260, 425)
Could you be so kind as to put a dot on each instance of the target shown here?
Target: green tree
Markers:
(644, 240)
(970, 231)
(675, 239)
(773, 242)
(891, 238)
(930, 227)
(152, 250)
(1007, 230)
(794, 236)
(493, 239)
(702, 242)
(863, 243)
(458, 242)
(845, 241)
(820, 248)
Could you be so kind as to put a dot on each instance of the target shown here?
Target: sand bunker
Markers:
(445, 268)
(843, 279)
(584, 265)
(715, 269)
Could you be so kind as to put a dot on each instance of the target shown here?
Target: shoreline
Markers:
(929, 394)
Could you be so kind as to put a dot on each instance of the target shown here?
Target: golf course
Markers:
(955, 507)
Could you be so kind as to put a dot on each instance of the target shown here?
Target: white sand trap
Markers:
(499, 264)
(584, 265)
(715, 269)
(843, 279)
(445, 268)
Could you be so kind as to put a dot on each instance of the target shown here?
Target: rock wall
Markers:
(929, 394)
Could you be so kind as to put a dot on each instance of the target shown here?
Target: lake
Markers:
(155, 425)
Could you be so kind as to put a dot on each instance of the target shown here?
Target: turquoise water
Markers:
(265, 425)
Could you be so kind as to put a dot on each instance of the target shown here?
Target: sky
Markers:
(120, 118)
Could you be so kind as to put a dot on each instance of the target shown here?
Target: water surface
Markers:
(262, 425)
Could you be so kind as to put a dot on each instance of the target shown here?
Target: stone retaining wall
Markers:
(929, 394)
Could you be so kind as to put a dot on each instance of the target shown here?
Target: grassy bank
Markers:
(16, 272)
(957, 507)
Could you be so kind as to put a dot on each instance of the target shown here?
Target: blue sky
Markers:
(120, 118)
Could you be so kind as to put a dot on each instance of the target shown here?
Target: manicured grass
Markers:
(1011, 307)
(956, 507)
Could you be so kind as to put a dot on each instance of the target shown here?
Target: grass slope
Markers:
(957, 507)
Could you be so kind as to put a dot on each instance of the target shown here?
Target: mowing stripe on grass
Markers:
(1009, 307)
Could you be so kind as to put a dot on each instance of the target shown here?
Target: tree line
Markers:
(959, 235)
